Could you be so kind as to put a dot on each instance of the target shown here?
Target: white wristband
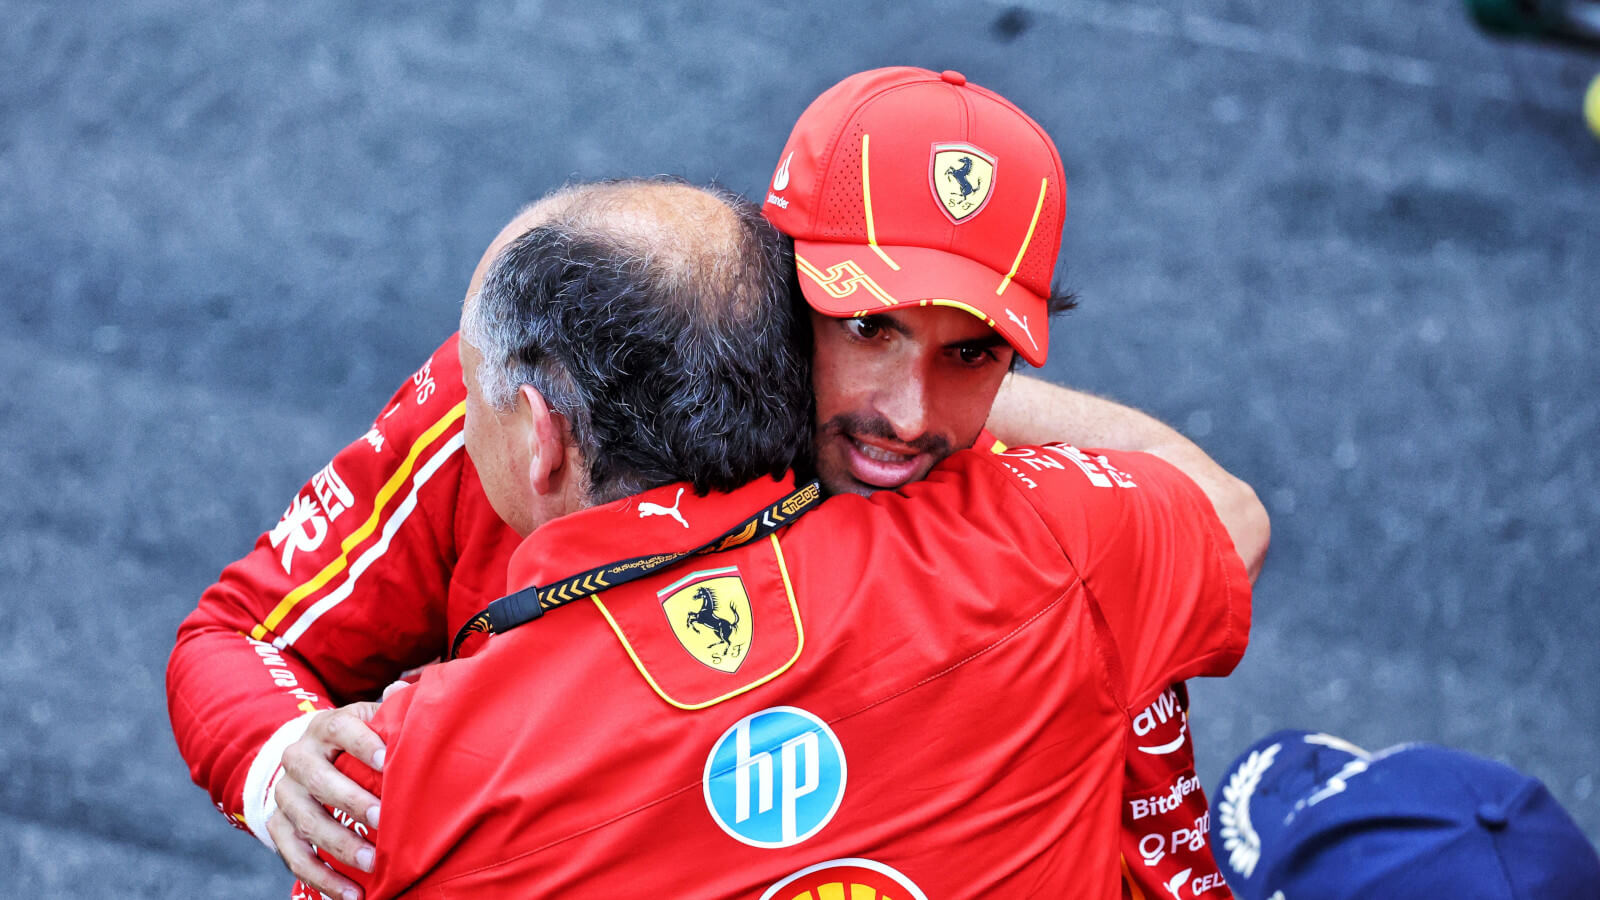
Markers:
(259, 800)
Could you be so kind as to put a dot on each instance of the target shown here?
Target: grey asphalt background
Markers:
(1352, 248)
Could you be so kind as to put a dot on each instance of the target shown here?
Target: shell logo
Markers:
(845, 879)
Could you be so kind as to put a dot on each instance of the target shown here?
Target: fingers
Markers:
(312, 824)
(308, 769)
(346, 729)
(310, 783)
(301, 860)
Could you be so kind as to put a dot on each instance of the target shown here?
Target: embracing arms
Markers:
(1031, 411)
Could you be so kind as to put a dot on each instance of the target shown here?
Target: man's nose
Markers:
(903, 401)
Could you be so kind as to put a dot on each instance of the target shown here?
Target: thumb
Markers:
(393, 689)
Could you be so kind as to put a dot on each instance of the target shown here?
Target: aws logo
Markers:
(1158, 717)
(857, 879)
(709, 612)
(962, 178)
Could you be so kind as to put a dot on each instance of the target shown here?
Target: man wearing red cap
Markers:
(749, 692)
(899, 386)
(978, 231)
(852, 193)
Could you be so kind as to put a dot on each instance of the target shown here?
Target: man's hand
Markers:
(309, 781)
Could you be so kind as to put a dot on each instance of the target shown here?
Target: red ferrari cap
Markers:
(905, 187)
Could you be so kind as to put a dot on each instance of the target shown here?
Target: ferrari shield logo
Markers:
(962, 177)
(710, 613)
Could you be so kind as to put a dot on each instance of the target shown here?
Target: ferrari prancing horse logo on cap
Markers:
(710, 614)
(962, 178)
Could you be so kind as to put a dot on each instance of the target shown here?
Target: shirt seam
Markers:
(1110, 657)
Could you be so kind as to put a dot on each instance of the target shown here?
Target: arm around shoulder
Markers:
(332, 603)
(1031, 410)
(1243, 515)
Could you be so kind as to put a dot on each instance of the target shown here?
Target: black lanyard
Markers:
(530, 603)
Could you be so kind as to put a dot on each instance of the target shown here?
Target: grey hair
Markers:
(671, 353)
(501, 371)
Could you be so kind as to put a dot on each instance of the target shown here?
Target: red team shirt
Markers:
(336, 601)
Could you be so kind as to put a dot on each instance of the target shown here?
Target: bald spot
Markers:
(683, 232)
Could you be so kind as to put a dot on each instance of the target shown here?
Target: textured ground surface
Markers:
(1352, 248)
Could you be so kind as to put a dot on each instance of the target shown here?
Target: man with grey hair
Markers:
(641, 276)
(382, 556)
(701, 660)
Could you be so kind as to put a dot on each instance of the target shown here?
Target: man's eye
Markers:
(974, 355)
(863, 328)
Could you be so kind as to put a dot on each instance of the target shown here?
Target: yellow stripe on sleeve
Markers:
(351, 541)
(1127, 879)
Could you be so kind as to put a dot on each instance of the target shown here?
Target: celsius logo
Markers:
(780, 181)
(856, 878)
(775, 778)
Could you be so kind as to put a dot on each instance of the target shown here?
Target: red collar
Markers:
(667, 519)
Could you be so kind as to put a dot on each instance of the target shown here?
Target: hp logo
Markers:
(775, 778)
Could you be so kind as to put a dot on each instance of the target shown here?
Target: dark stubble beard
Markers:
(936, 445)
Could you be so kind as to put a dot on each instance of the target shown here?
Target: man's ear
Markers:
(547, 442)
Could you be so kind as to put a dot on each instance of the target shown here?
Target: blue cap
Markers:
(1307, 816)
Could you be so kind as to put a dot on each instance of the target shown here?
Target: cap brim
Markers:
(1252, 805)
(843, 280)
(1301, 808)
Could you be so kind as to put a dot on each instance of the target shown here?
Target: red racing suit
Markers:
(384, 554)
(375, 563)
(936, 685)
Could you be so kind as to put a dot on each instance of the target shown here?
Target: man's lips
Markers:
(873, 463)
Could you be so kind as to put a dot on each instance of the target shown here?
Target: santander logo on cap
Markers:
(906, 187)
(780, 181)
